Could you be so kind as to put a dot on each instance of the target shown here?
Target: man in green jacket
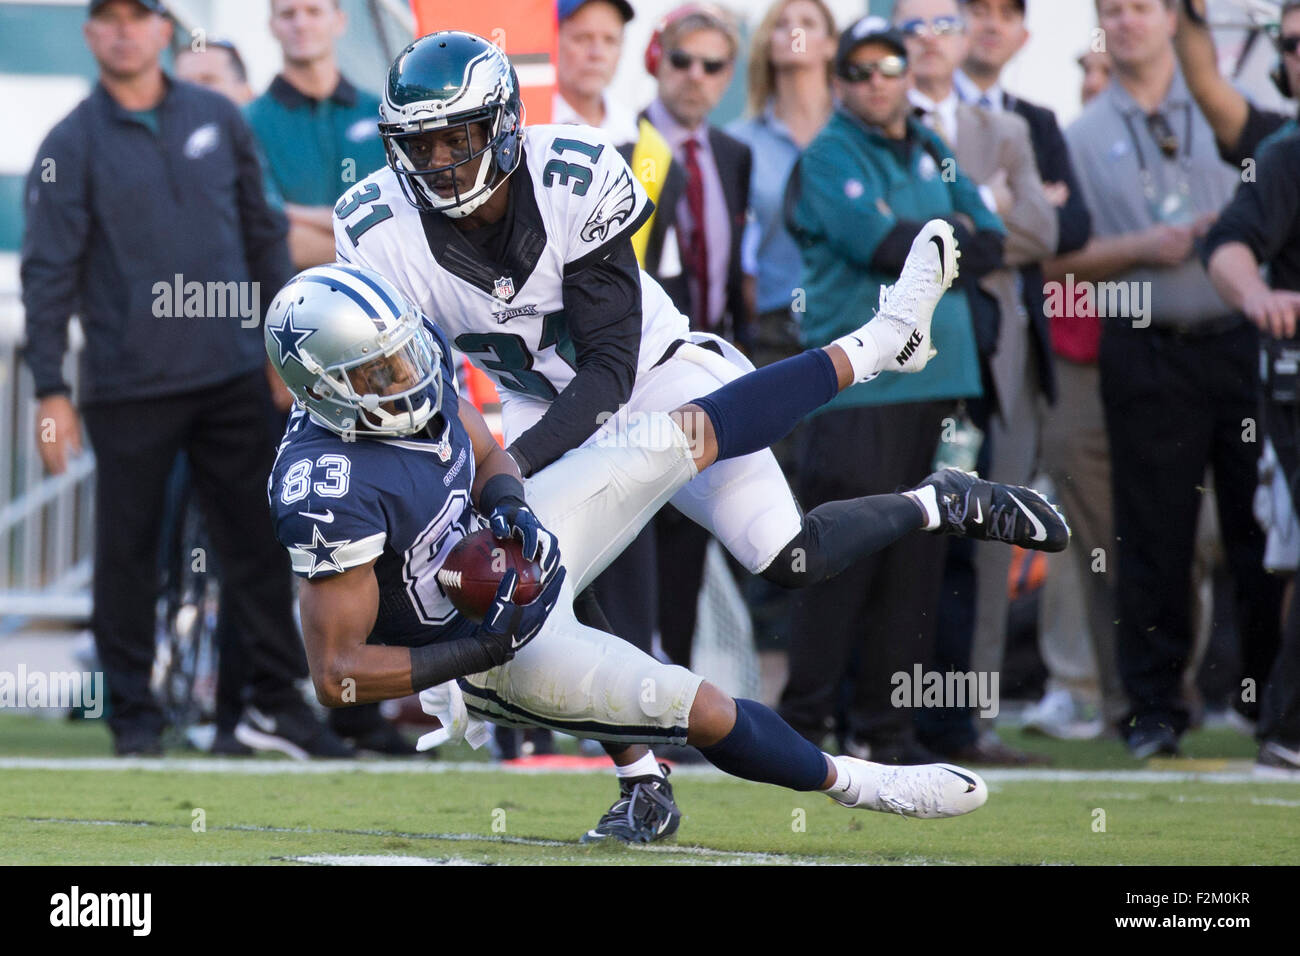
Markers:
(856, 197)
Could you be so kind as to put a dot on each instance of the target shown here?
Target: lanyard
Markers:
(1185, 160)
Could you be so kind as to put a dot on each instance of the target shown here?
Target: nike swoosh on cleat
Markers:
(979, 512)
(1040, 532)
(970, 784)
(938, 244)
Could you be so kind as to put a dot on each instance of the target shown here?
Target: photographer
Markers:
(1262, 225)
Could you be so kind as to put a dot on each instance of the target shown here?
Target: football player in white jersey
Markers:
(517, 242)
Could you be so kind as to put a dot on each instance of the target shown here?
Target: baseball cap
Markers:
(1018, 3)
(567, 8)
(154, 6)
(868, 30)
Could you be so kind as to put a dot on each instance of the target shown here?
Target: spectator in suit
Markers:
(992, 146)
(692, 56)
(101, 239)
(624, 599)
(789, 101)
(1068, 431)
(857, 196)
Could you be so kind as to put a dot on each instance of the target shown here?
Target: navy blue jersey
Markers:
(338, 504)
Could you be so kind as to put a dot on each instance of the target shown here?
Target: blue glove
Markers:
(508, 626)
(513, 518)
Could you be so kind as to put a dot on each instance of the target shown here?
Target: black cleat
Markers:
(644, 812)
(971, 507)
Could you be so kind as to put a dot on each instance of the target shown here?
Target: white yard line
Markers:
(229, 766)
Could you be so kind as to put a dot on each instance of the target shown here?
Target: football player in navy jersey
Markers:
(384, 471)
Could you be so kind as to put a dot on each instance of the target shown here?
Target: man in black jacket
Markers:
(145, 215)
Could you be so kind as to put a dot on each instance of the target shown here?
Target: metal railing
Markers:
(46, 521)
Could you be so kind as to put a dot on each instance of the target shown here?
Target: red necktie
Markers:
(697, 251)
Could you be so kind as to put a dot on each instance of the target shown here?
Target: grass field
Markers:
(63, 801)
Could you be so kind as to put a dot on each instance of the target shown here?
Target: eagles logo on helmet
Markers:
(442, 81)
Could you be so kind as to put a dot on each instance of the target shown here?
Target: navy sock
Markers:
(761, 408)
(764, 748)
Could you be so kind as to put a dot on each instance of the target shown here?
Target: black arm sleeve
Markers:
(602, 306)
(981, 252)
(1262, 214)
(441, 661)
(57, 208)
(1260, 124)
(265, 229)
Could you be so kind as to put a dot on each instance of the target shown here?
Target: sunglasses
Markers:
(1163, 134)
(937, 27)
(1289, 44)
(890, 66)
(681, 60)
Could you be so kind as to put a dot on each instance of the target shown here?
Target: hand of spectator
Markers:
(1166, 245)
(58, 432)
(1202, 226)
(1003, 198)
(1058, 194)
(1274, 311)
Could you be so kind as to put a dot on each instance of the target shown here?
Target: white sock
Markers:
(929, 501)
(647, 766)
(845, 789)
(864, 355)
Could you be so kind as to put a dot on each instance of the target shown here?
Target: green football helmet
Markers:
(354, 352)
(451, 81)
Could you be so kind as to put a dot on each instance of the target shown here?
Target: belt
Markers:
(1215, 326)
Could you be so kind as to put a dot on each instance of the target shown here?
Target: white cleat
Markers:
(928, 791)
(901, 327)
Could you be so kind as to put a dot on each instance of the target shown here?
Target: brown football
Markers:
(473, 570)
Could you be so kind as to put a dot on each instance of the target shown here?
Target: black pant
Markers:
(882, 608)
(223, 430)
(1174, 405)
(1279, 702)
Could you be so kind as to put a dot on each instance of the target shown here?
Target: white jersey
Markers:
(511, 323)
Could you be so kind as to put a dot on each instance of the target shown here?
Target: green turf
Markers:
(148, 816)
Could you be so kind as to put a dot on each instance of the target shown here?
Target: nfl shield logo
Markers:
(505, 288)
(443, 450)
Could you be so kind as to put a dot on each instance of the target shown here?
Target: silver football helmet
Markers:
(354, 352)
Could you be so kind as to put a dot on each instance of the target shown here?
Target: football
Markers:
(473, 570)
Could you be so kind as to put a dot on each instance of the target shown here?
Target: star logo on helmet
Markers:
(323, 553)
(289, 339)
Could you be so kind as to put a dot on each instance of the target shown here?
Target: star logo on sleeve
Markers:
(323, 553)
(289, 339)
